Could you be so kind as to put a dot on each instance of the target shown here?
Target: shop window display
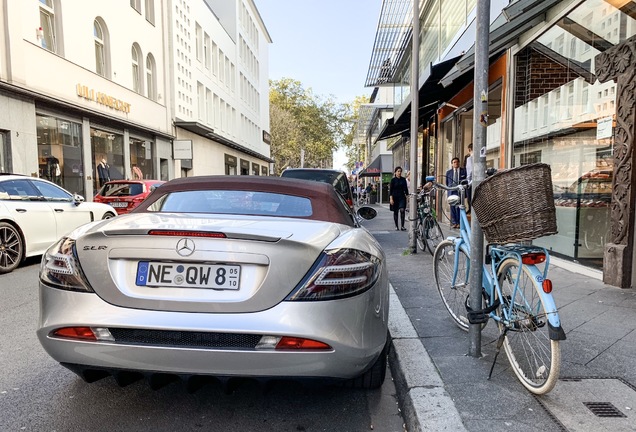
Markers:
(60, 152)
(141, 159)
(108, 157)
(559, 80)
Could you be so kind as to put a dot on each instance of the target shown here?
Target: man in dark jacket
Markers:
(453, 176)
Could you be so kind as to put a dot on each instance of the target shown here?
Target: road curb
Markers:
(426, 406)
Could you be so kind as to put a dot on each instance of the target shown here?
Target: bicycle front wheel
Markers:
(420, 233)
(452, 283)
(534, 357)
(434, 234)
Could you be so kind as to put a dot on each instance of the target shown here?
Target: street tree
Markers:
(302, 121)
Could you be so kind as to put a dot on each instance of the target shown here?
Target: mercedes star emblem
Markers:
(185, 247)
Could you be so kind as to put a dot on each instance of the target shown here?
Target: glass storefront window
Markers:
(108, 156)
(60, 152)
(4, 153)
(141, 159)
(557, 108)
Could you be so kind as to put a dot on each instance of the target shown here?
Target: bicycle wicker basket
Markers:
(516, 204)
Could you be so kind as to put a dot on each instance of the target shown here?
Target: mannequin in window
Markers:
(103, 172)
(53, 171)
(136, 173)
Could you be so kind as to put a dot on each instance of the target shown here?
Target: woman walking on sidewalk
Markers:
(398, 191)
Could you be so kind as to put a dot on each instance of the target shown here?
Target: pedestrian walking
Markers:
(453, 176)
(398, 191)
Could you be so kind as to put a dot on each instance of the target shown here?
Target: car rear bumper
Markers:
(355, 328)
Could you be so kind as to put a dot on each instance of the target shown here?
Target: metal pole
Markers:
(480, 122)
(415, 104)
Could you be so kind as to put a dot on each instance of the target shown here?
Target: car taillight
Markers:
(336, 274)
(84, 333)
(60, 267)
(290, 343)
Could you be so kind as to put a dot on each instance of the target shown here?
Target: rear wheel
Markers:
(453, 294)
(434, 234)
(11, 248)
(534, 357)
(108, 215)
(374, 377)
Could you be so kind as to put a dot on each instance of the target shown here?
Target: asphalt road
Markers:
(37, 394)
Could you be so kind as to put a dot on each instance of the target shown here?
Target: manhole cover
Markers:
(592, 404)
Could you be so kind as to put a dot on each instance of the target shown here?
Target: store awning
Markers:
(207, 132)
(430, 95)
(381, 164)
(516, 19)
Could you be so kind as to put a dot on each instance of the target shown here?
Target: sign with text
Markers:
(604, 127)
(182, 149)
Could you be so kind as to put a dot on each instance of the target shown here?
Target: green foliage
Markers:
(300, 120)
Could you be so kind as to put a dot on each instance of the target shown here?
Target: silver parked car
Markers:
(226, 276)
(34, 213)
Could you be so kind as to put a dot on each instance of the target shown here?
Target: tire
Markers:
(11, 248)
(374, 376)
(108, 215)
(453, 297)
(420, 232)
(434, 234)
(534, 357)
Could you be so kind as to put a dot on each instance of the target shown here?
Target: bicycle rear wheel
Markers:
(434, 234)
(534, 357)
(453, 294)
(420, 234)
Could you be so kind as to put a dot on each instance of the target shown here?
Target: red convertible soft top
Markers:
(326, 204)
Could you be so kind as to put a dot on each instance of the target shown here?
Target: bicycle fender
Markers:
(556, 333)
(547, 300)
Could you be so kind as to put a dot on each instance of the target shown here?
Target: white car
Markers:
(34, 213)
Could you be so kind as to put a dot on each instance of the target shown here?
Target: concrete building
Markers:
(176, 87)
(219, 53)
(76, 88)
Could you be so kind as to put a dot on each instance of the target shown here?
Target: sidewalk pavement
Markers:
(440, 387)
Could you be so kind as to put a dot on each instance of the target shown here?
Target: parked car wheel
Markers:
(374, 377)
(108, 215)
(11, 247)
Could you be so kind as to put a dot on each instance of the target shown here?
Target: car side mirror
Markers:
(78, 199)
(367, 213)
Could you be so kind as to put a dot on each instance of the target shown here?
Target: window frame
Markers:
(48, 36)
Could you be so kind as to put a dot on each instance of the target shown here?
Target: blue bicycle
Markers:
(517, 296)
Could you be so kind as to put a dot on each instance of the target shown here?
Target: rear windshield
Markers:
(319, 176)
(233, 202)
(122, 189)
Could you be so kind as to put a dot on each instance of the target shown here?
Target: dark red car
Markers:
(125, 195)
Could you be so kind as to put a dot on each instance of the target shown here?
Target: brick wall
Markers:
(537, 75)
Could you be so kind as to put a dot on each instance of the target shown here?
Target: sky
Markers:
(324, 44)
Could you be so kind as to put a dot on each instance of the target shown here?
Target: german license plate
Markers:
(119, 204)
(215, 276)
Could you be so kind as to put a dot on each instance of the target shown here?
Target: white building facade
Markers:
(128, 82)
(221, 86)
(76, 87)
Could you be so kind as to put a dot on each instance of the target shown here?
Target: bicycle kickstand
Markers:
(497, 351)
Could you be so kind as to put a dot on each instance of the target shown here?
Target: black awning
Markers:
(430, 95)
(381, 164)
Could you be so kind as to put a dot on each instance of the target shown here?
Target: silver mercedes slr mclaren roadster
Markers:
(221, 276)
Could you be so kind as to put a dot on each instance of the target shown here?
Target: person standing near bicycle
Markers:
(398, 191)
(453, 176)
